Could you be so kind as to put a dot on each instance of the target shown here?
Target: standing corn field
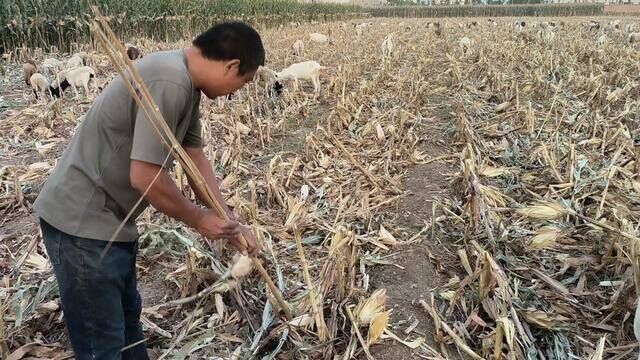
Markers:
(37, 23)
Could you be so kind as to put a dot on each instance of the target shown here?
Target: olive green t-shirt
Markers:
(88, 194)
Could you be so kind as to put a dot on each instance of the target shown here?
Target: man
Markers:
(113, 159)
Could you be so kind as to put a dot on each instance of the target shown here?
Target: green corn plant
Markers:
(59, 23)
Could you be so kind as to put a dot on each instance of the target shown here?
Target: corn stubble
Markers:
(541, 218)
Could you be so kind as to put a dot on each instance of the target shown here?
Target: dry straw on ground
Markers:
(542, 216)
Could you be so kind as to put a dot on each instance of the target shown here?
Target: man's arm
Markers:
(204, 166)
(164, 195)
(202, 163)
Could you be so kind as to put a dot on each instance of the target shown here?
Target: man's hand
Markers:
(212, 227)
(253, 247)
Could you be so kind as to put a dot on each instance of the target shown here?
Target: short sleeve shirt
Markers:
(89, 194)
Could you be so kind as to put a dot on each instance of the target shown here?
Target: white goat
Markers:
(61, 76)
(387, 47)
(319, 38)
(80, 77)
(266, 76)
(52, 65)
(308, 70)
(634, 37)
(549, 36)
(361, 28)
(601, 40)
(298, 48)
(615, 24)
(82, 55)
(40, 84)
(75, 62)
(629, 28)
(465, 45)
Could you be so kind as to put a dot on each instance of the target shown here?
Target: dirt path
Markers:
(413, 275)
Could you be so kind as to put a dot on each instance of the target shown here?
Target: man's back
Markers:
(89, 194)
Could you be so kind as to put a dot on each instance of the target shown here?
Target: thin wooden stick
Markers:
(143, 98)
(459, 342)
(317, 308)
(218, 286)
(365, 347)
(355, 162)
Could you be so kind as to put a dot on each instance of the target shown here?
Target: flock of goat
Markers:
(545, 31)
(75, 73)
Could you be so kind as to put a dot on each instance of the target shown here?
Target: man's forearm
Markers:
(164, 194)
(204, 166)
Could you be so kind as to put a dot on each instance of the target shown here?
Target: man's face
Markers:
(225, 79)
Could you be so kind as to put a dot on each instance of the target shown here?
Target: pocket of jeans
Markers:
(52, 238)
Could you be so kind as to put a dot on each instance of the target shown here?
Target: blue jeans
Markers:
(100, 299)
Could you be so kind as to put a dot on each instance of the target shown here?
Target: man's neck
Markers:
(193, 57)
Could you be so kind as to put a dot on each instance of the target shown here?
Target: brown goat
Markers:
(29, 68)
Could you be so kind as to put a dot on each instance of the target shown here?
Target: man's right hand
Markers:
(213, 227)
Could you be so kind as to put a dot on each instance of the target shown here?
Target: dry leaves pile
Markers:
(542, 219)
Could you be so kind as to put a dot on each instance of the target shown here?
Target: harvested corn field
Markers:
(526, 246)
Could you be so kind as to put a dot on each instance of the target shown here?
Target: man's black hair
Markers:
(232, 40)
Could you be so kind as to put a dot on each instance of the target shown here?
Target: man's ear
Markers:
(229, 65)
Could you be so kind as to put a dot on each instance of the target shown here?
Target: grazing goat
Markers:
(40, 84)
(593, 25)
(601, 40)
(387, 47)
(361, 28)
(298, 48)
(62, 75)
(465, 45)
(82, 55)
(80, 77)
(29, 68)
(74, 62)
(549, 37)
(319, 38)
(268, 77)
(52, 65)
(615, 24)
(308, 70)
(629, 28)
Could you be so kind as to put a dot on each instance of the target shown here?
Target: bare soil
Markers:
(414, 273)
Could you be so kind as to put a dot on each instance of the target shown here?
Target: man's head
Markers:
(226, 57)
